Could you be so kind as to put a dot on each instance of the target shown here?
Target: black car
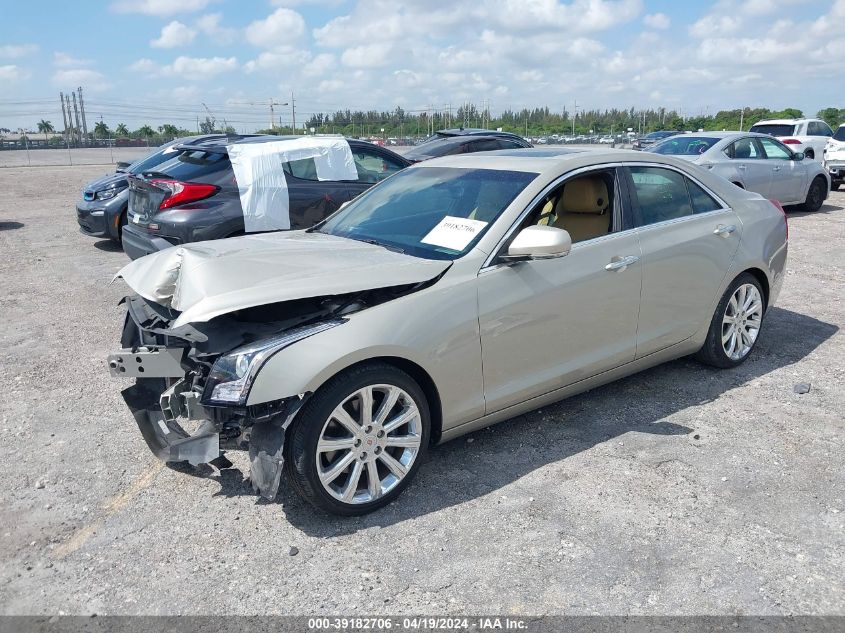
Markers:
(102, 210)
(653, 137)
(464, 141)
(194, 195)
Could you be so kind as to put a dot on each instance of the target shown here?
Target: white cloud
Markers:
(174, 34)
(85, 77)
(64, 60)
(210, 25)
(280, 28)
(367, 56)
(657, 21)
(144, 66)
(13, 73)
(319, 65)
(284, 57)
(15, 51)
(198, 68)
(159, 7)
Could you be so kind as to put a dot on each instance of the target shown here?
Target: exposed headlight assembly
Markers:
(233, 374)
(107, 194)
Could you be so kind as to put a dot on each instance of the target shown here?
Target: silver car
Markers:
(458, 293)
(756, 162)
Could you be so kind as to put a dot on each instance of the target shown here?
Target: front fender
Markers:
(435, 328)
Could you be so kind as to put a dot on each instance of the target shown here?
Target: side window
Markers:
(304, 169)
(509, 144)
(702, 202)
(812, 129)
(824, 129)
(660, 195)
(585, 206)
(775, 150)
(745, 149)
(485, 145)
(373, 167)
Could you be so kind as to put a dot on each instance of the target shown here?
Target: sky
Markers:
(159, 61)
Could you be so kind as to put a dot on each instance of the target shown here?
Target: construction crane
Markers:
(210, 116)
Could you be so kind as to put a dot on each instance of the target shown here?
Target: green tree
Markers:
(121, 130)
(146, 131)
(101, 130)
(45, 127)
(834, 117)
(169, 130)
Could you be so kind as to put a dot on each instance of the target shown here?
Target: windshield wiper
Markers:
(370, 240)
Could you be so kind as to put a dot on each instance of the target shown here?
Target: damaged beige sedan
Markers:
(457, 293)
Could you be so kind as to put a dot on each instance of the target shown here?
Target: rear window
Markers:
(774, 129)
(197, 165)
(684, 145)
(153, 160)
(839, 135)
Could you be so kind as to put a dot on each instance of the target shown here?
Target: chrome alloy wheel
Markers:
(369, 443)
(741, 322)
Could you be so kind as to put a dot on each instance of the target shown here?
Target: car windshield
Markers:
(774, 129)
(684, 145)
(429, 212)
(839, 135)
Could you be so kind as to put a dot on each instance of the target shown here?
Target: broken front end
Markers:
(192, 382)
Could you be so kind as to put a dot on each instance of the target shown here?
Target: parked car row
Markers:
(455, 293)
(834, 157)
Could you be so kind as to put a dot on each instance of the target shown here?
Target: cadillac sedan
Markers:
(457, 293)
(756, 162)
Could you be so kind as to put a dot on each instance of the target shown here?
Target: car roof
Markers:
(220, 144)
(540, 161)
(783, 121)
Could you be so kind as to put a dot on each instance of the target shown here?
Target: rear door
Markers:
(788, 176)
(688, 240)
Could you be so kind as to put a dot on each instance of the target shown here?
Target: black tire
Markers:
(712, 352)
(834, 186)
(301, 463)
(123, 221)
(815, 195)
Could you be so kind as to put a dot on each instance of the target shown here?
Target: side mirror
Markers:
(539, 242)
(798, 156)
(122, 165)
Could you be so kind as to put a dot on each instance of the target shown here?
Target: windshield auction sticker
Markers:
(454, 233)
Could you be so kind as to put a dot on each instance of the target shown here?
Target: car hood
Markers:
(207, 279)
(110, 180)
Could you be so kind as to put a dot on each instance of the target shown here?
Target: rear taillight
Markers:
(182, 192)
(783, 212)
(791, 141)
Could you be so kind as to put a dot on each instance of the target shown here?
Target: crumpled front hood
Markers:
(206, 279)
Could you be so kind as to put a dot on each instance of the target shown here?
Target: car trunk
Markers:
(144, 199)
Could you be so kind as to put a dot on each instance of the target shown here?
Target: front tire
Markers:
(359, 441)
(815, 195)
(736, 324)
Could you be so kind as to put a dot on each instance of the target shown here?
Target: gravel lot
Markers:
(682, 490)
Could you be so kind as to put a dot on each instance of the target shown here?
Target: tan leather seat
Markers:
(582, 210)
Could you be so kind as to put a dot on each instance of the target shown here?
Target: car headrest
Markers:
(587, 194)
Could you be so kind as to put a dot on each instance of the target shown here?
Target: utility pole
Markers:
(64, 115)
(741, 118)
(574, 116)
(82, 111)
(272, 113)
(293, 111)
(69, 118)
(76, 116)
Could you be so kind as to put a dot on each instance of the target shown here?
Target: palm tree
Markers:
(45, 127)
(121, 130)
(101, 130)
(146, 131)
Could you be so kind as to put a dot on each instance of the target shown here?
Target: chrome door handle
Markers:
(621, 263)
(724, 230)
(775, 168)
(740, 167)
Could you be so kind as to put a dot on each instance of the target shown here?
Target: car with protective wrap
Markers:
(274, 183)
(458, 293)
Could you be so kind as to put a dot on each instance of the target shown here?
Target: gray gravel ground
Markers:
(682, 490)
(74, 156)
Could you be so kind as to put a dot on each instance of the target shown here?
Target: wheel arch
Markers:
(420, 376)
(762, 278)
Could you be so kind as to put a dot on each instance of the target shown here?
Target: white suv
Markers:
(802, 135)
(834, 158)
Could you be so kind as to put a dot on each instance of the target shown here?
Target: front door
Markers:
(549, 323)
(787, 175)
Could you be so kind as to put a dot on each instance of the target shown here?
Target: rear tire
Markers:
(350, 460)
(835, 186)
(815, 195)
(736, 324)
